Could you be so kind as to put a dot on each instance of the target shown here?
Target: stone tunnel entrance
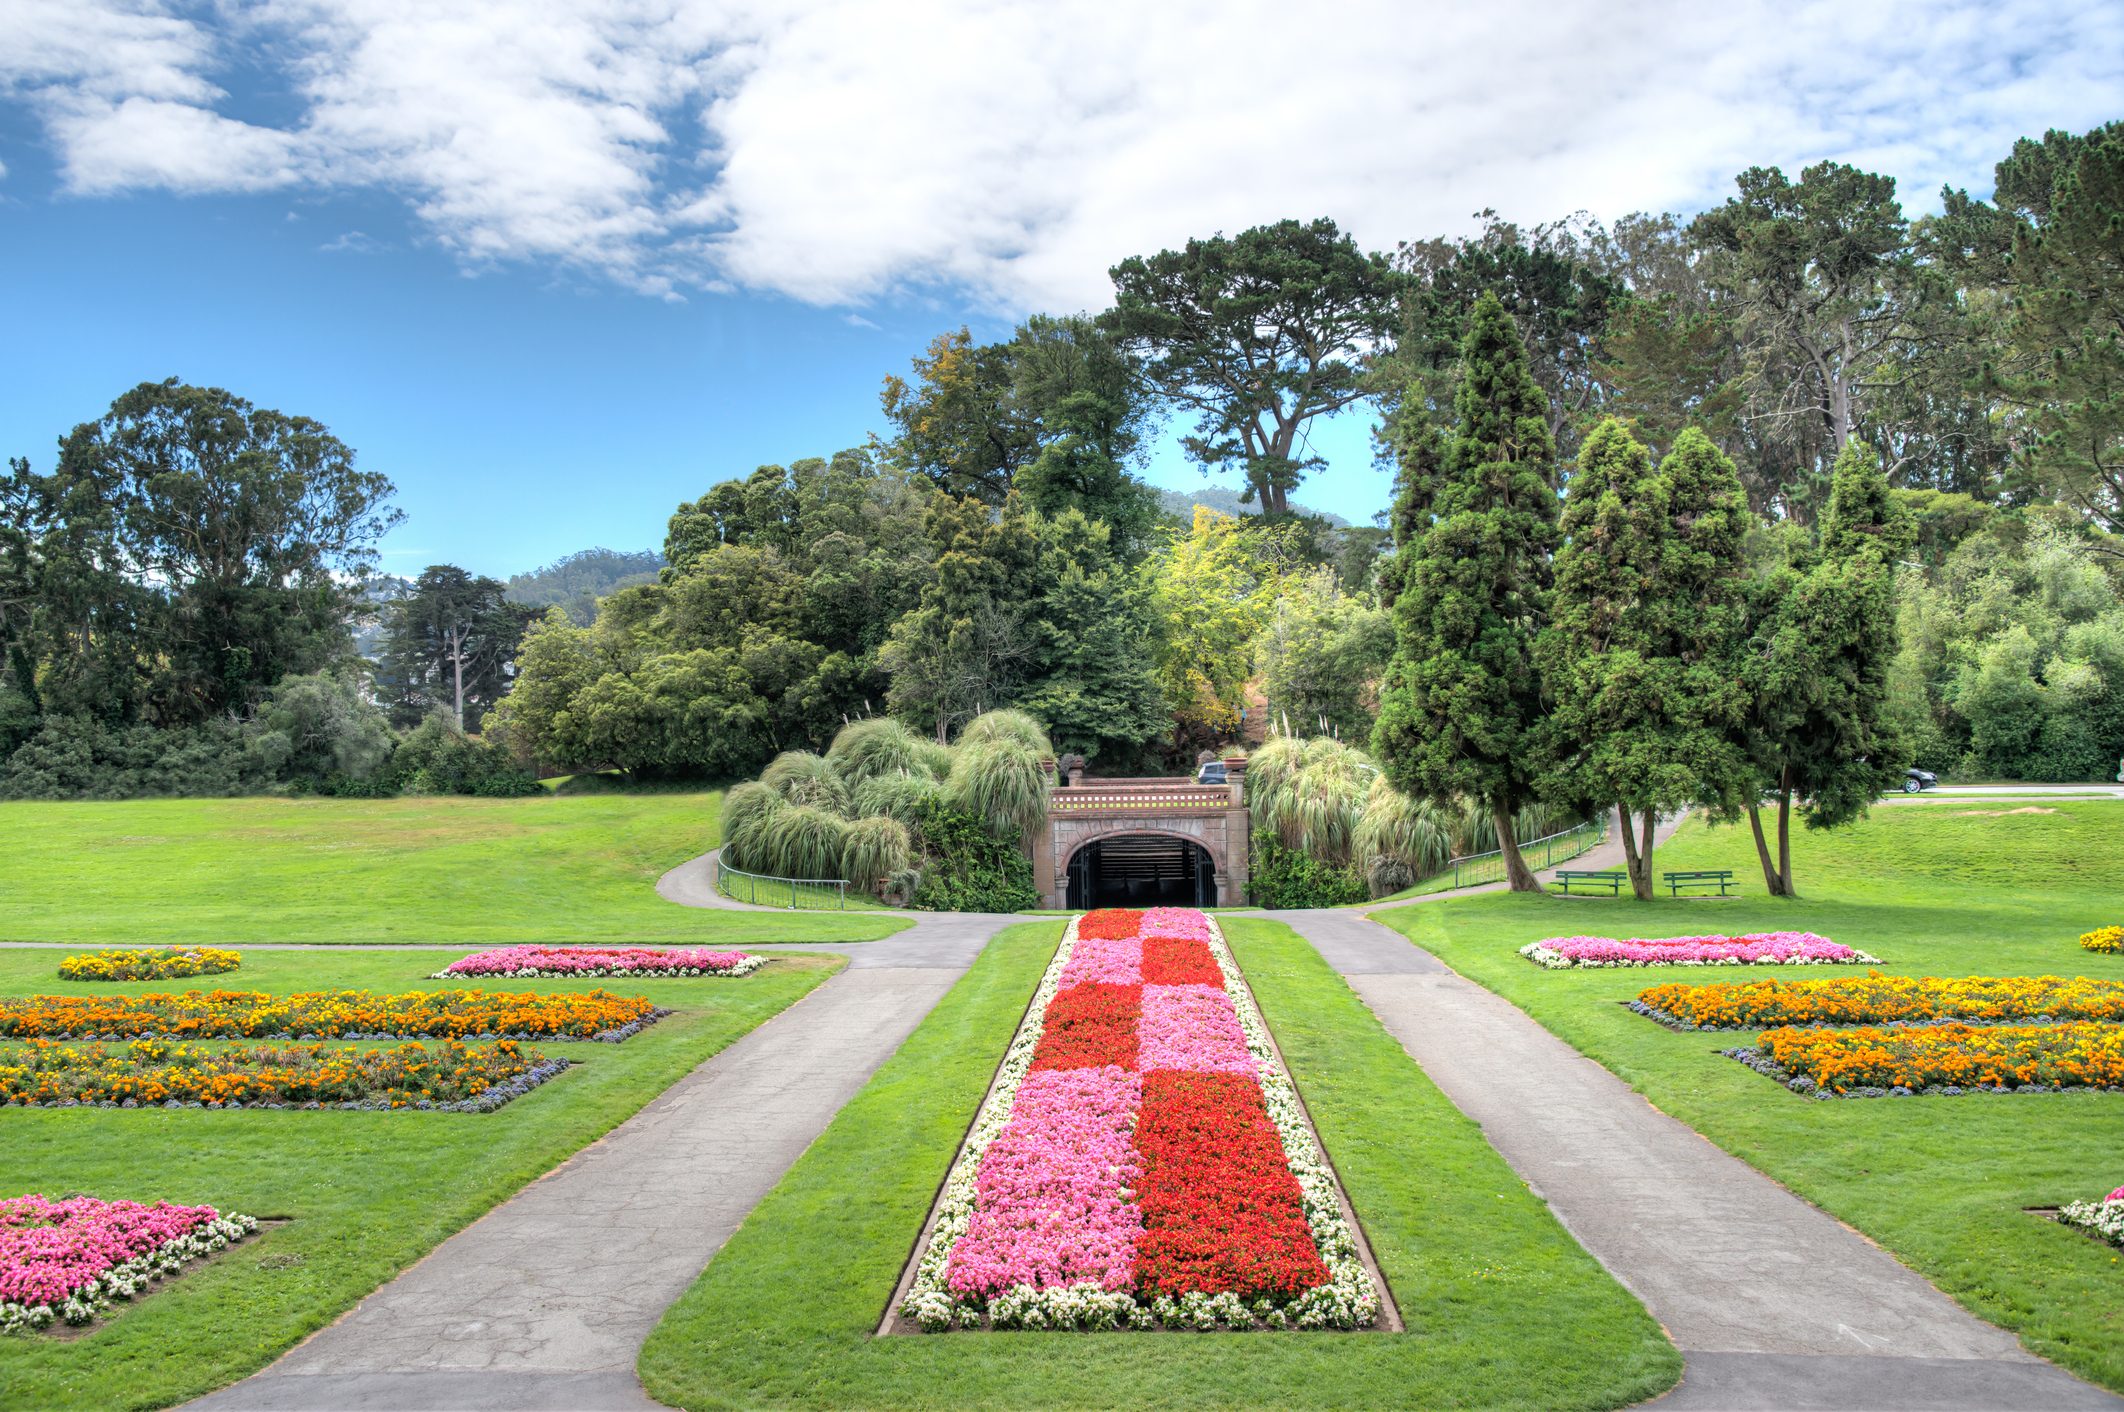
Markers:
(1141, 870)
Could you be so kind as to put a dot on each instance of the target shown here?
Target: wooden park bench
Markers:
(1567, 878)
(1721, 878)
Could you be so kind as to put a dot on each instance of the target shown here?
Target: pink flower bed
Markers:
(69, 1259)
(1052, 1209)
(1755, 949)
(602, 961)
(1176, 921)
(1100, 962)
(1192, 1027)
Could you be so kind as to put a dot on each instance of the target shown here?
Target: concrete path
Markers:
(543, 1304)
(1773, 1303)
(692, 884)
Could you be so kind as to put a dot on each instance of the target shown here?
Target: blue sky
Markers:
(553, 265)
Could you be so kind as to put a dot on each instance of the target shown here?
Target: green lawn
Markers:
(364, 1194)
(1947, 888)
(566, 868)
(1503, 1307)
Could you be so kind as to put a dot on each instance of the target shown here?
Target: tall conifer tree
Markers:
(1640, 658)
(1462, 698)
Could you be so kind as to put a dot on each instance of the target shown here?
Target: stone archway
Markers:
(1208, 818)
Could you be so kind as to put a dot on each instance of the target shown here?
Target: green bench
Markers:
(1721, 878)
(1567, 878)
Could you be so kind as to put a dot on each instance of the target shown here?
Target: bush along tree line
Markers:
(1879, 452)
(176, 597)
(943, 828)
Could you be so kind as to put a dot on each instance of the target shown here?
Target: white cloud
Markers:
(840, 150)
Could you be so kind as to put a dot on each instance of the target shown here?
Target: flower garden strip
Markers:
(69, 1260)
(1875, 999)
(1142, 1159)
(2108, 940)
(452, 1077)
(2104, 1219)
(1954, 1058)
(1560, 953)
(172, 963)
(329, 1014)
(568, 961)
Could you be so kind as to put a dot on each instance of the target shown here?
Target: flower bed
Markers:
(564, 961)
(1874, 1061)
(2104, 1219)
(452, 1077)
(2108, 940)
(1143, 1160)
(1759, 949)
(172, 963)
(1875, 999)
(68, 1260)
(328, 1014)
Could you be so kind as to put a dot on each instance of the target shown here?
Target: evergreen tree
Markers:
(450, 645)
(1639, 655)
(1462, 697)
(1817, 728)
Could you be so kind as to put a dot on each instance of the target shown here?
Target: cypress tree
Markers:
(1640, 658)
(1461, 699)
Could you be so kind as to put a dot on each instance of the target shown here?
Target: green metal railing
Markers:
(798, 894)
(1541, 853)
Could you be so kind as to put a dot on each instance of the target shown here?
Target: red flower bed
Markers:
(1179, 960)
(1110, 924)
(1221, 1211)
(1090, 1025)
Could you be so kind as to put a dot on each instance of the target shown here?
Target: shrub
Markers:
(1286, 877)
(2104, 939)
(434, 758)
(967, 868)
(74, 757)
(169, 963)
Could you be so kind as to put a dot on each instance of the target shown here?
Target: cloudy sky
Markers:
(554, 264)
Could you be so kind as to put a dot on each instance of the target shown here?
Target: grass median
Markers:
(1503, 1308)
(363, 1194)
(1949, 888)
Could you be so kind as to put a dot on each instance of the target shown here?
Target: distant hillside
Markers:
(577, 581)
(367, 622)
(1183, 502)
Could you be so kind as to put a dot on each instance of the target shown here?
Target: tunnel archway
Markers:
(1141, 870)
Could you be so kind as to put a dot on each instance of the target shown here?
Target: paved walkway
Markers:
(1773, 1303)
(543, 1304)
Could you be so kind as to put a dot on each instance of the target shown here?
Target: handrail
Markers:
(1479, 867)
(801, 894)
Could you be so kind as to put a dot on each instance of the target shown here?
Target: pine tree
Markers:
(1461, 699)
(1640, 655)
(1817, 728)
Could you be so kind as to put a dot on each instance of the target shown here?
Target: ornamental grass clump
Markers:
(807, 780)
(1011, 727)
(1399, 840)
(746, 809)
(167, 964)
(877, 849)
(69, 1260)
(865, 750)
(2108, 940)
(902, 797)
(800, 841)
(1003, 784)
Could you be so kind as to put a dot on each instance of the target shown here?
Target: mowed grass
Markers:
(364, 1194)
(1503, 1308)
(574, 868)
(1947, 888)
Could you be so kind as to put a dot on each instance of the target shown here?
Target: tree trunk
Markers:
(1784, 833)
(1517, 874)
(1644, 856)
(457, 675)
(1633, 862)
(1771, 879)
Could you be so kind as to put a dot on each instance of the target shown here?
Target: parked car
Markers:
(1916, 779)
(1212, 773)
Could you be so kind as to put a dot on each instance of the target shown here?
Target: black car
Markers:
(1916, 779)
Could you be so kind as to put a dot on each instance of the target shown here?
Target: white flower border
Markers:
(1349, 1299)
(745, 967)
(1548, 958)
(126, 1280)
(2104, 1220)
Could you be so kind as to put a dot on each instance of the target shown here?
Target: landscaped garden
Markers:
(1500, 1305)
(346, 1199)
(1982, 984)
(426, 869)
